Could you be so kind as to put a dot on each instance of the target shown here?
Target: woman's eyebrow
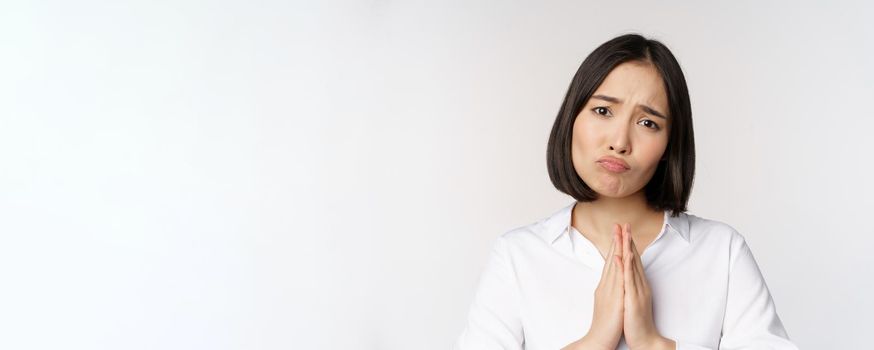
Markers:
(645, 108)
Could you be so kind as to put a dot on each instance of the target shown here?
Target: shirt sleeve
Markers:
(493, 320)
(751, 320)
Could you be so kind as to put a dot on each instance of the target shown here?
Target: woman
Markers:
(623, 266)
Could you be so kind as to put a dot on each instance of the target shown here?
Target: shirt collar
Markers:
(559, 222)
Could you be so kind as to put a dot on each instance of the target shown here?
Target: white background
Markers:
(312, 175)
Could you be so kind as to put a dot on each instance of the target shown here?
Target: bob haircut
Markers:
(671, 184)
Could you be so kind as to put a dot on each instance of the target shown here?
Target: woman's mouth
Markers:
(612, 166)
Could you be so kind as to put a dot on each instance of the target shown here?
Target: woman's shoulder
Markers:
(546, 228)
(709, 229)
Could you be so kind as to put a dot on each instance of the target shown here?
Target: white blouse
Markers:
(537, 288)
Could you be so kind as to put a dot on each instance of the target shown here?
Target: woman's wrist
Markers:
(662, 343)
(588, 343)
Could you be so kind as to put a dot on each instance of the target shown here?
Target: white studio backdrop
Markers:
(325, 175)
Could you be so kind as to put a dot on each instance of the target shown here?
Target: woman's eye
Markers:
(651, 123)
(600, 110)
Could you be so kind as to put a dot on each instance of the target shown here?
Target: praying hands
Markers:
(623, 302)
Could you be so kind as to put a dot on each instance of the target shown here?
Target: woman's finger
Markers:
(626, 246)
(639, 276)
(616, 258)
(628, 273)
(636, 255)
(616, 245)
(608, 260)
(617, 235)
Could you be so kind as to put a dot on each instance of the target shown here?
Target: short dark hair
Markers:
(671, 184)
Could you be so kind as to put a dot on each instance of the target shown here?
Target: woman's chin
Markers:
(611, 188)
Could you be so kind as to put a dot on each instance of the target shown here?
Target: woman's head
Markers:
(628, 101)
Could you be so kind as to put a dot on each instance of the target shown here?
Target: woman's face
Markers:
(623, 119)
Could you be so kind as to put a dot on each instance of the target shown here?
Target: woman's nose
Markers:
(621, 143)
(623, 149)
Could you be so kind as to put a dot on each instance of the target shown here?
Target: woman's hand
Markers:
(606, 328)
(638, 325)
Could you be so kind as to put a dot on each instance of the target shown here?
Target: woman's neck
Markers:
(596, 219)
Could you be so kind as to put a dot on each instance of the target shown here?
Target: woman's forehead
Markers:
(637, 83)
